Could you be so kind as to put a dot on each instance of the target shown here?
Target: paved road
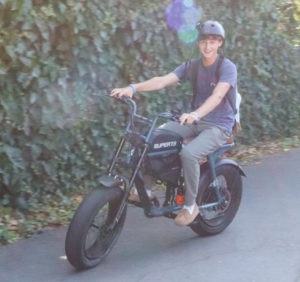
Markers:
(262, 243)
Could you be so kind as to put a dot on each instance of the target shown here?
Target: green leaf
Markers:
(36, 150)
(21, 48)
(14, 155)
(79, 19)
(10, 50)
(27, 5)
(50, 170)
(62, 7)
(36, 71)
(26, 61)
(79, 173)
(62, 82)
(46, 47)
(5, 202)
(42, 82)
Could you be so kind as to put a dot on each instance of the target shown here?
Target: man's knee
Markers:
(187, 154)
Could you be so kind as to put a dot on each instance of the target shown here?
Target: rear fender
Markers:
(221, 162)
(205, 168)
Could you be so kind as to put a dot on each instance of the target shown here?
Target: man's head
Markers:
(212, 28)
(211, 37)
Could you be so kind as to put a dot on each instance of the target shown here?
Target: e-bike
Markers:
(99, 219)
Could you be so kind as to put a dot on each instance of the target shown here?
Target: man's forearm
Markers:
(149, 85)
(214, 100)
(210, 103)
(156, 83)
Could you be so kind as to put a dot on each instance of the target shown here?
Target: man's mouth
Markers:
(207, 52)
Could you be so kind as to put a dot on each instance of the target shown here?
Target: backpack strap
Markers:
(220, 62)
(194, 74)
(195, 70)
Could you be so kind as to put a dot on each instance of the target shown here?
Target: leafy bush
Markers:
(58, 58)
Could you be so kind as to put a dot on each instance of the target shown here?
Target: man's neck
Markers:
(209, 61)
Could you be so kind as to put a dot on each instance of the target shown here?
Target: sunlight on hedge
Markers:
(58, 57)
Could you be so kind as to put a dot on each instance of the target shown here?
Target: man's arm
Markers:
(211, 102)
(155, 83)
(214, 99)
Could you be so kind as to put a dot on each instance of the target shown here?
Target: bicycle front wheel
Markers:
(90, 237)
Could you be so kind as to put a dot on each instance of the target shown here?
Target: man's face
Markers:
(209, 45)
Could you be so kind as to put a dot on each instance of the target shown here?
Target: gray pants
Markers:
(208, 138)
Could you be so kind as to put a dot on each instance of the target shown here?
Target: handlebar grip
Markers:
(125, 99)
(195, 122)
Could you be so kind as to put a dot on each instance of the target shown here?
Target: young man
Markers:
(213, 113)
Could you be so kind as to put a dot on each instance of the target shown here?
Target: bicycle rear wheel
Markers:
(211, 221)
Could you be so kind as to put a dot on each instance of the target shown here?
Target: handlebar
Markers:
(173, 115)
(126, 100)
(133, 115)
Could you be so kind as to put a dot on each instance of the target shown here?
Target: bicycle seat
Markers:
(226, 147)
(188, 140)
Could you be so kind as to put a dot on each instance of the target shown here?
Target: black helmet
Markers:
(210, 28)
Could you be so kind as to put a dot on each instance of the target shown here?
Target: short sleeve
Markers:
(228, 73)
(180, 71)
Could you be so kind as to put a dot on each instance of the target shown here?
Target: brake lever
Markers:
(175, 118)
(176, 114)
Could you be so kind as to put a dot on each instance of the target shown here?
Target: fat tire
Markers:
(234, 181)
(82, 220)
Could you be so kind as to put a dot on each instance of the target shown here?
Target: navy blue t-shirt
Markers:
(223, 115)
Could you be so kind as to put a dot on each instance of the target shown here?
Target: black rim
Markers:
(100, 236)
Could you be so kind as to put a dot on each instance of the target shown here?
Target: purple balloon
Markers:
(175, 14)
(181, 13)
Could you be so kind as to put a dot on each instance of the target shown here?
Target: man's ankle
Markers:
(190, 208)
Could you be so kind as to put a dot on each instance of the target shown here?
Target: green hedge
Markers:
(58, 58)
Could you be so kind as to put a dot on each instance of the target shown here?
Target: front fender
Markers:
(110, 182)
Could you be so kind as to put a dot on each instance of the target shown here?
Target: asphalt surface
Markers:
(261, 244)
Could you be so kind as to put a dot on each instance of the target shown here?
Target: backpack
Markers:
(237, 125)
(236, 108)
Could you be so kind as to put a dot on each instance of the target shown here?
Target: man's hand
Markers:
(188, 118)
(120, 92)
